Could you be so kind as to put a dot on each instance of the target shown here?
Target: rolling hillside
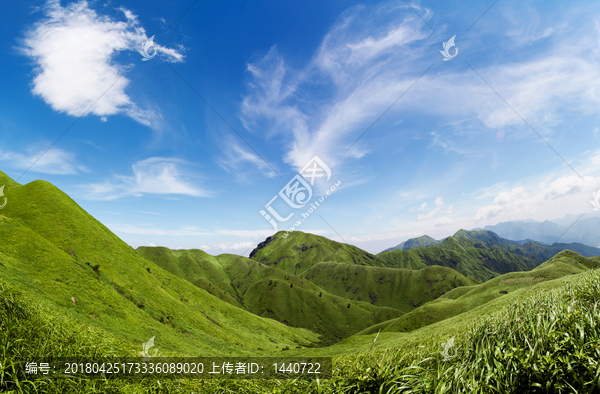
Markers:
(59, 254)
(481, 254)
(270, 292)
(400, 289)
(470, 258)
(69, 286)
(527, 248)
(468, 298)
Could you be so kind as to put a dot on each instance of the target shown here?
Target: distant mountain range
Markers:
(480, 254)
(585, 230)
(567, 230)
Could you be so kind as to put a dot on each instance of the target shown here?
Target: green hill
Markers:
(467, 298)
(469, 257)
(553, 316)
(489, 238)
(270, 292)
(59, 254)
(529, 249)
(419, 242)
(400, 289)
(300, 251)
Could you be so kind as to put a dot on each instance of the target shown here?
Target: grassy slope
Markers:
(469, 257)
(468, 298)
(300, 251)
(400, 289)
(399, 362)
(531, 248)
(196, 266)
(271, 292)
(49, 246)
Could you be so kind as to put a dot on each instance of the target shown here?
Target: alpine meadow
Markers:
(338, 197)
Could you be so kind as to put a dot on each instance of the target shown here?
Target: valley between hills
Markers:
(523, 315)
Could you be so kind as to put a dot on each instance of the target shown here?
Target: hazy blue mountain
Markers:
(586, 230)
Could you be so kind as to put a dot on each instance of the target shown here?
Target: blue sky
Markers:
(184, 150)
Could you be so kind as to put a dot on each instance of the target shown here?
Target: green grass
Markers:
(49, 248)
(401, 289)
(469, 257)
(273, 293)
(467, 298)
(510, 337)
(546, 339)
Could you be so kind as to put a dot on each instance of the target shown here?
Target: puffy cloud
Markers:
(74, 48)
(439, 203)
(520, 201)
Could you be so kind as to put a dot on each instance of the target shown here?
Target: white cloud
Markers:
(237, 157)
(238, 246)
(373, 54)
(421, 207)
(439, 203)
(527, 27)
(151, 244)
(362, 58)
(73, 48)
(155, 175)
(153, 213)
(521, 202)
(444, 220)
(55, 161)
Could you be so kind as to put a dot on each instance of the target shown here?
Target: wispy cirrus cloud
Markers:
(156, 175)
(360, 61)
(236, 158)
(372, 54)
(73, 48)
(56, 161)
